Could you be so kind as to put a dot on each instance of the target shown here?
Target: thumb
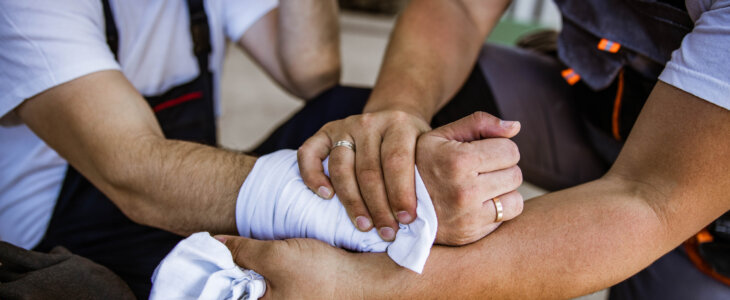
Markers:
(246, 252)
(477, 126)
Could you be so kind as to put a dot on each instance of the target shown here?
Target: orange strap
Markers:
(691, 246)
(615, 125)
(608, 46)
(570, 76)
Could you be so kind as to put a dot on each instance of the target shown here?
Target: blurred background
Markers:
(252, 104)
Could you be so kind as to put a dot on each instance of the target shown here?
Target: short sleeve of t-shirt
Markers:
(46, 43)
(701, 66)
(239, 15)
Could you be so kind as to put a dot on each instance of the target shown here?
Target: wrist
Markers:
(420, 113)
(378, 277)
(414, 103)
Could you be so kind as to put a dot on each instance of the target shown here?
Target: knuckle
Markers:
(511, 150)
(462, 196)
(302, 151)
(396, 159)
(516, 175)
(399, 116)
(366, 120)
(404, 200)
(353, 204)
(339, 172)
(519, 204)
(235, 246)
(458, 163)
(328, 126)
(483, 119)
(369, 175)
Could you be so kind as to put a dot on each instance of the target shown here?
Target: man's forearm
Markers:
(426, 61)
(181, 186)
(117, 144)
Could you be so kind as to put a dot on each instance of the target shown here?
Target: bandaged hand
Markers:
(275, 204)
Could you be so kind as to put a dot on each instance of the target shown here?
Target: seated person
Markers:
(108, 124)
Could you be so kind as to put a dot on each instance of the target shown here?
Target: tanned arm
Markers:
(298, 45)
(433, 47)
(104, 128)
(431, 52)
(669, 182)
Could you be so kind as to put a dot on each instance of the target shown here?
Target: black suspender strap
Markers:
(112, 37)
(199, 31)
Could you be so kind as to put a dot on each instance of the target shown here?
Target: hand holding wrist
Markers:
(465, 165)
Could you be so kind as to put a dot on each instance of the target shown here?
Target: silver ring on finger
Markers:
(345, 144)
(498, 208)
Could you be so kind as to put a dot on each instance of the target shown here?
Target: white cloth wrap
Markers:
(200, 267)
(274, 204)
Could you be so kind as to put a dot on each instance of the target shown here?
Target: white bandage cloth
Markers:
(274, 203)
(200, 267)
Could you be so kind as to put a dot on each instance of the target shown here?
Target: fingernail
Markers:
(363, 223)
(324, 192)
(508, 124)
(220, 239)
(387, 233)
(404, 217)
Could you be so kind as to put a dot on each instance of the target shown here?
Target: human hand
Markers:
(376, 183)
(308, 268)
(464, 165)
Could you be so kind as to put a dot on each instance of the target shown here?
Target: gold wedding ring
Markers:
(498, 207)
(345, 144)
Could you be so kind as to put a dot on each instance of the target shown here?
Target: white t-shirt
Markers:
(44, 43)
(701, 66)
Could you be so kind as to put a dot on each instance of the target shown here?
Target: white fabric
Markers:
(274, 204)
(49, 42)
(200, 267)
(701, 66)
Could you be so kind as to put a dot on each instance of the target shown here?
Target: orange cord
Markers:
(691, 247)
(617, 107)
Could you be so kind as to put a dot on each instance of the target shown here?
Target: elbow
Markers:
(311, 79)
(647, 194)
(125, 179)
(123, 189)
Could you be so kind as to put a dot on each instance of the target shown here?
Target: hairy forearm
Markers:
(116, 143)
(309, 44)
(179, 186)
(426, 62)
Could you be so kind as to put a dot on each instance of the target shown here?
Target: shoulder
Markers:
(699, 66)
(239, 15)
(46, 43)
